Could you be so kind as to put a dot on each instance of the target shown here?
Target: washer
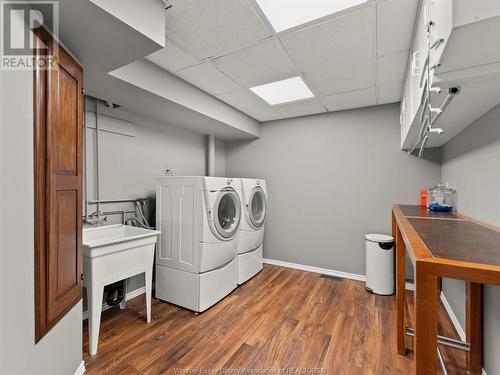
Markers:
(251, 237)
(200, 219)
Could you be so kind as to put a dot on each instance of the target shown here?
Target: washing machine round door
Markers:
(257, 207)
(227, 211)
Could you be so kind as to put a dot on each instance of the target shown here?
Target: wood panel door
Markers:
(58, 112)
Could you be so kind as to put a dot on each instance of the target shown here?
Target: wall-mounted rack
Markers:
(429, 115)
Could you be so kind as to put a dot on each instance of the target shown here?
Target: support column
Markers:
(400, 288)
(426, 310)
(474, 315)
(210, 155)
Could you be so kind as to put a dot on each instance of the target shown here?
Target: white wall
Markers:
(147, 16)
(331, 179)
(471, 163)
(60, 351)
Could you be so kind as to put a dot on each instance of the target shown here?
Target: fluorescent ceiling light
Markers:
(288, 90)
(284, 14)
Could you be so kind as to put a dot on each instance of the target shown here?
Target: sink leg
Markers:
(123, 303)
(95, 308)
(148, 278)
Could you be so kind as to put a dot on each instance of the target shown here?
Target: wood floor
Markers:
(282, 318)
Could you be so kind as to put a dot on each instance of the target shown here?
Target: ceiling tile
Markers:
(392, 68)
(339, 41)
(212, 27)
(249, 103)
(348, 100)
(287, 14)
(301, 108)
(355, 76)
(395, 22)
(172, 57)
(208, 78)
(390, 93)
(262, 63)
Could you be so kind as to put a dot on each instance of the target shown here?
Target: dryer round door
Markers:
(257, 207)
(227, 209)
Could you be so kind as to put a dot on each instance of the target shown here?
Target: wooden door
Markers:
(58, 113)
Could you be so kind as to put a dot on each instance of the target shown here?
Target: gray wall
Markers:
(129, 165)
(471, 163)
(331, 179)
(60, 351)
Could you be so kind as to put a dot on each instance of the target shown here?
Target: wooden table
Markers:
(442, 245)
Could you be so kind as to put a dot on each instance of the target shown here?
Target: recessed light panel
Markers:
(284, 14)
(287, 90)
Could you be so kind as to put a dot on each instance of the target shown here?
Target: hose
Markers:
(115, 293)
(138, 222)
(139, 207)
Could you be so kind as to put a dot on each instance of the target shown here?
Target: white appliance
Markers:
(112, 253)
(251, 237)
(199, 218)
(380, 264)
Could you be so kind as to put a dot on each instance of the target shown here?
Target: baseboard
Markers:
(409, 286)
(81, 369)
(128, 296)
(454, 321)
(323, 271)
(453, 317)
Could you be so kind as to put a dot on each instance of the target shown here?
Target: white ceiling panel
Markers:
(392, 68)
(390, 93)
(285, 14)
(354, 58)
(172, 57)
(349, 100)
(262, 63)
(251, 104)
(395, 22)
(212, 27)
(355, 76)
(339, 41)
(301, 108)
(207, 77)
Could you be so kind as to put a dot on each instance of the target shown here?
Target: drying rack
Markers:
(429, 114)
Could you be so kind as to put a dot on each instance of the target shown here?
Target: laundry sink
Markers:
(100, 241)
(112, 253)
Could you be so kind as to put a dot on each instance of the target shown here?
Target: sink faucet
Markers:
(95, 218)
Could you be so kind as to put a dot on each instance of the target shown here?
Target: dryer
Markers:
(196, 256)
(251, 237)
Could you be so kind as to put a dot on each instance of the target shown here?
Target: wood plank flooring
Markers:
(282, 318)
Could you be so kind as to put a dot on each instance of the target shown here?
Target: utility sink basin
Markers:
(99, 241)
(113, 253)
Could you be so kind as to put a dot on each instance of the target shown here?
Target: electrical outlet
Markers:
(166, 170)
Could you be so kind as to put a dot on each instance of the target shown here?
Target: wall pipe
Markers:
(210, 155)
(97, 192)
(123, 213)
(85, 157)
(102, 201)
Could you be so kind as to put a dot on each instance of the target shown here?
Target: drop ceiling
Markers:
(353, 58)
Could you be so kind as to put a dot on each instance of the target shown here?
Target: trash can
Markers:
(380, 264)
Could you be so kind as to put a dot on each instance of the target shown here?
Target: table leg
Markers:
(474, 311)
(400, 291)
(148, 278)
(94, 308)
(426, 305)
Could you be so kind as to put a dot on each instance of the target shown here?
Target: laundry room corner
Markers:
(331, 179)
